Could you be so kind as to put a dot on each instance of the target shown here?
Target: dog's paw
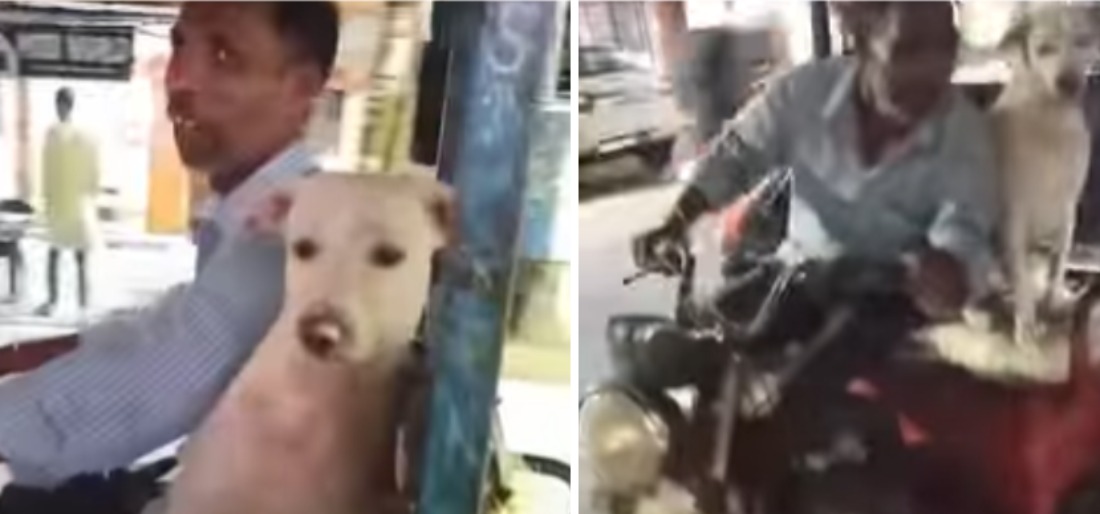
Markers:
(1026, 331)
(1060, 302)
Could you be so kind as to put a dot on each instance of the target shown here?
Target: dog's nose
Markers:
(323, 328)
(1069, 84)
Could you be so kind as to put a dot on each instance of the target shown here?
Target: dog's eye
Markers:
(305, 249)
(387, 255)
(1046, 49)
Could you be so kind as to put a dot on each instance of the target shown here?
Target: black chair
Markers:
(15, 216)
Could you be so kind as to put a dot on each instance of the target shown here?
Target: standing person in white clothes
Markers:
(70, 182)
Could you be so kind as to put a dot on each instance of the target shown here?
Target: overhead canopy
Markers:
(87, 13)
(73, 39)
(94, 38)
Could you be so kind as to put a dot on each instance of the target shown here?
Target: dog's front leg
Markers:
(1057, 296)
(1023, 287)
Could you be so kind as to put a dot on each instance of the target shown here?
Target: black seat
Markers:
(16, 206)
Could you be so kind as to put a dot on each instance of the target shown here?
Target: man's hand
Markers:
(660, 249)
(23, 357)
(938, 285)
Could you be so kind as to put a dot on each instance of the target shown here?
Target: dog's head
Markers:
(1054, 45)
(359, 253)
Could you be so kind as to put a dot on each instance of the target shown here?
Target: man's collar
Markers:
(229, 211)
(841, 91)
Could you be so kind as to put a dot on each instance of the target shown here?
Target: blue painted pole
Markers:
(499, 53)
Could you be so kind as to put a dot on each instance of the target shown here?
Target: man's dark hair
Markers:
(860, 19)
(312, 30)
(64, 97)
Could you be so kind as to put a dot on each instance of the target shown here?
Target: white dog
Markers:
(1043, 153)
(308, 426)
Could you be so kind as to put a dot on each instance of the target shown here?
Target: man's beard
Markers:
(198, 149)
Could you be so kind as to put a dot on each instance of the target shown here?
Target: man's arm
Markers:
(92, 178)
(135, 384)
(690, 206)
(745, 150)
(23, 357)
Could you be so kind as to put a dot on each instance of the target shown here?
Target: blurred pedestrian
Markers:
(70, 179)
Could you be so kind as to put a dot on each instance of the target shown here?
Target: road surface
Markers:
(607, 224)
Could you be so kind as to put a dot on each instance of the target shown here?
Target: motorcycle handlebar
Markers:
(637, 275)
(829, 283)
(670, 258)
(847, 276)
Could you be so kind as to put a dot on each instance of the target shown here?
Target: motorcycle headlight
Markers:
(622, 444)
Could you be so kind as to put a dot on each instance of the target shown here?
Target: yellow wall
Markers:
(170, 188)
(169, 192)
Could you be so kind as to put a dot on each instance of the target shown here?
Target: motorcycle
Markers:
(769, 428)
(970, 445)
(1038, 451)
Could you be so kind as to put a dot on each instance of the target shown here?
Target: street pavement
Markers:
(607, 225)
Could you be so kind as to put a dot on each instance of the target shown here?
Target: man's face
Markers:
(235, 94)
(916, 49)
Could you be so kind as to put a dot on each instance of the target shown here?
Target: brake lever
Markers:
(636, 276)
(644, 272)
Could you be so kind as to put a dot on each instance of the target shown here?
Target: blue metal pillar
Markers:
(499, 53)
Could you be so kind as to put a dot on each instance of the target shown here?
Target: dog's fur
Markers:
(310, 424)
(1043, 153)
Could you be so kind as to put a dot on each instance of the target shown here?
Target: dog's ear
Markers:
(267, 217)
(1014, 39)
(439, 200)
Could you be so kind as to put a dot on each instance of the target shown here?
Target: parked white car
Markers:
(624, 103)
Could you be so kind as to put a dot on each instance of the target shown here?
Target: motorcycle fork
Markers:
(716, 492)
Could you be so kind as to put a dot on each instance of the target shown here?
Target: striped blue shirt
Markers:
(146, 379)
